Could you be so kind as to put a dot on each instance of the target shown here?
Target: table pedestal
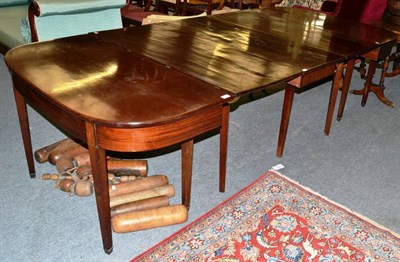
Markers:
(391, 23)
(370, 87)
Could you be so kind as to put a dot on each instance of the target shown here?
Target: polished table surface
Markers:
(250, 50)
(142, 88)
(103, 83)
(224, 54)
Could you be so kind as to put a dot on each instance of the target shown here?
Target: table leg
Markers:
(223, 147)
(100, 180)
(187, 163)
(286, 111)
(26, 134)
(345, 87)
(378, 89)
(332, 99)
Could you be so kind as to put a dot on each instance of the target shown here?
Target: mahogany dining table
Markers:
(143, 88)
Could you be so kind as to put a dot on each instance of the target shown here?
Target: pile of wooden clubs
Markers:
(72, 162)
(137, 201)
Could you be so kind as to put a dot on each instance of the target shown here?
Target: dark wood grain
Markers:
(119, 88)
(230, 56)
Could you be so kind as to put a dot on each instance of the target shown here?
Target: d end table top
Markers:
(105, 84)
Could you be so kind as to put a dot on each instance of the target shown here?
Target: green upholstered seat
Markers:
(74, 17)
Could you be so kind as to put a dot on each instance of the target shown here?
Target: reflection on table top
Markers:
(106, 84)
(249, 50)
(314, 29)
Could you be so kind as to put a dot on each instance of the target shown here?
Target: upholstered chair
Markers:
(49, 19)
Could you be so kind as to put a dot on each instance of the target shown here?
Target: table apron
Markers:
(159, 136)
(380, 53)
(59, 117)
(311, 76)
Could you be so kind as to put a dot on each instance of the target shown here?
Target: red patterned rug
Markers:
(275, 219)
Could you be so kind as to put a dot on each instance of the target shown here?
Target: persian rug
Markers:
(276, 219)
